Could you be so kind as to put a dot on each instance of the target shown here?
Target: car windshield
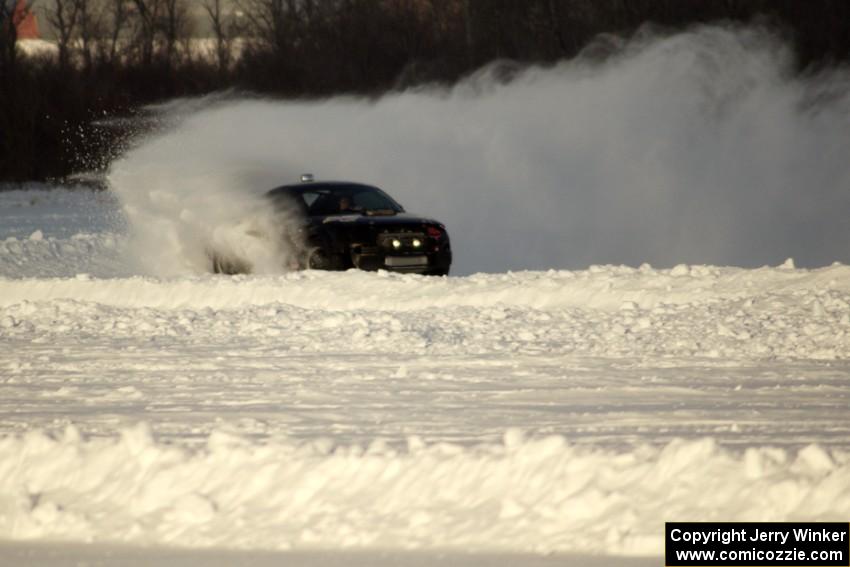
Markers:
(323, 200)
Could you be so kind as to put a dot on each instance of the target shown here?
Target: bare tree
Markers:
(174, 26)
(222, 31)
(271, 21)
(116, 19)
(63, 16)
(149, 13)
(90, 29)
(8, 33)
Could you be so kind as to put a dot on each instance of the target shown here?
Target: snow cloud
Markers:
(698, 147)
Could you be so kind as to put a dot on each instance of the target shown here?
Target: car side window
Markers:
(309, 198)
(368, 201)
(321, 203)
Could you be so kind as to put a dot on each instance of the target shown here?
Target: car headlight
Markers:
(416, 243)
(396, 243)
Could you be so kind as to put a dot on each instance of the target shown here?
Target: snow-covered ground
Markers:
(567, 412)
(54, 233)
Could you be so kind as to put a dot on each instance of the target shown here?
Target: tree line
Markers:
(112, 57)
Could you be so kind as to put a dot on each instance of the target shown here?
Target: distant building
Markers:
(26, 24)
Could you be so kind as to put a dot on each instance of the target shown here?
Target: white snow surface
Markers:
(537, 495)
(53, 233)
(559, 411)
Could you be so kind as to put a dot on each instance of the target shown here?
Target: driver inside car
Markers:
(345, 204)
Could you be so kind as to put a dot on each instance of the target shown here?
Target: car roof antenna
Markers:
(307, 178)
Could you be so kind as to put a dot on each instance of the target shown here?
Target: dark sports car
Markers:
(343, 225)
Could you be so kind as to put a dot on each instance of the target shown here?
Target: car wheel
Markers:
(229, 266)
(318, 259)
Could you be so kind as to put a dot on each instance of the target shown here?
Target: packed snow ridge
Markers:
(531, 495)
(696, 310)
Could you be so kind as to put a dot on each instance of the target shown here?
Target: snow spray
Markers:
(697, 147)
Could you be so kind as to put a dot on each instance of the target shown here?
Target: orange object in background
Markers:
(25, 21)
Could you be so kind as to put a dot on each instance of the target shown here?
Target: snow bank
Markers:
(599, 287)
(47, 231)
(610, 312)
(523, 495)
(37, 256)
(604, 311)
(58, 211)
